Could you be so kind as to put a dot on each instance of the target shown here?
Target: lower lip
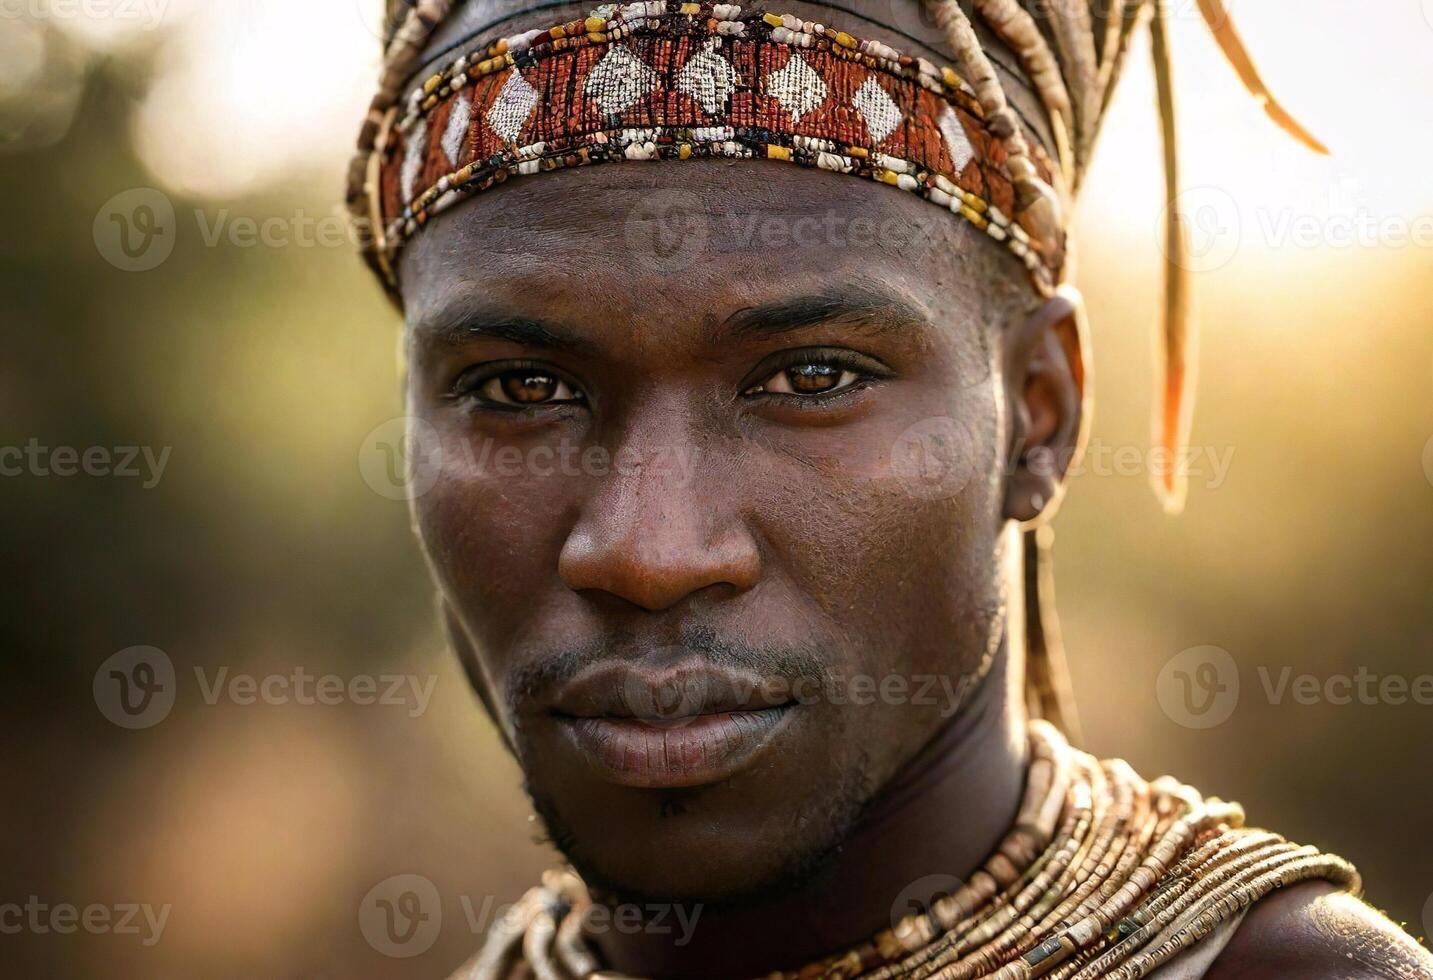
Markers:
(677, 753)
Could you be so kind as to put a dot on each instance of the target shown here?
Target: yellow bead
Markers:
(691, 8)
(845, 40)
(772, 19)
(858, 151)
(594, 24)
(684, 152)
(774, 152)
(950, 78)
(431, 85)
(888, 177)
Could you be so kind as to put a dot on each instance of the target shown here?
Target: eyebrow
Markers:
(462, 323)
(870, 306)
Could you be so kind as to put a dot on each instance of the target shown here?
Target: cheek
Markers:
(891, 529)
(907, 589)
(492, 516)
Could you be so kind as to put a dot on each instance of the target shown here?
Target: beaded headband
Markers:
(669, 80)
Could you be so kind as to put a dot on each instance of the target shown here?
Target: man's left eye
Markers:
(807, 379)
(527, 387)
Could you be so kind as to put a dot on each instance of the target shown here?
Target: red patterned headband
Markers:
(665, 80)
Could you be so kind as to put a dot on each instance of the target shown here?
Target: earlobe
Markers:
(1045, 394)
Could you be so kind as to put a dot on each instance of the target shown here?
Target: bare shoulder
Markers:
(1313, 931)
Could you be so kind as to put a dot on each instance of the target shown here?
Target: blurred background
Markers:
(176, 278)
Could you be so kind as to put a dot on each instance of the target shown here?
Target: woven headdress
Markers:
(663, 79)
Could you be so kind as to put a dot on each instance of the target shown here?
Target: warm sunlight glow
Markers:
(256, 93)
(1331, 72)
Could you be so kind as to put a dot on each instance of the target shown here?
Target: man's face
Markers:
(717, 499)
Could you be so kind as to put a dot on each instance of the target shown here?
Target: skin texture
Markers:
(1312, 930)
(791, 532)
(664, 502)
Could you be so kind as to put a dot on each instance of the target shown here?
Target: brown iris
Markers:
(529, 387)
(813, 379)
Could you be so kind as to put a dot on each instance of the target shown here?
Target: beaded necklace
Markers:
(1103, 875)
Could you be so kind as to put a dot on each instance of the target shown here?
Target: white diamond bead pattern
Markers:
(619, 80)
(412, 161)
(878, 109)
(512, 108)
(456, 135)
(961, 152)
(798, 87)
(709, 79)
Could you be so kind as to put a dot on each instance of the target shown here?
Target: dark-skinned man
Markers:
(803, 681)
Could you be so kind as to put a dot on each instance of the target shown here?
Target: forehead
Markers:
(640, 240)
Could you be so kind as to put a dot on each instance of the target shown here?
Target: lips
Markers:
(678, 725)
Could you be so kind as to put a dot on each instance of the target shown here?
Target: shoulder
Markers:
(1314, 931)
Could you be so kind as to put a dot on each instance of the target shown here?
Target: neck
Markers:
(932, 826)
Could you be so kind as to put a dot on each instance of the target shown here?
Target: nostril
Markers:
(655, 572)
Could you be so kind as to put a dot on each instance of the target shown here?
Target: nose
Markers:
(652, 536)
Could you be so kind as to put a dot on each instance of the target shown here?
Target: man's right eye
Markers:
(809, 378)
(519, 387)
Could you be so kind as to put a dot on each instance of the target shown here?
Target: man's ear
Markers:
(1045, 393)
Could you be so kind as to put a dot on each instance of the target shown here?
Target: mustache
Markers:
(797, 664)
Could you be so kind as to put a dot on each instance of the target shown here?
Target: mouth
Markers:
(685, 725)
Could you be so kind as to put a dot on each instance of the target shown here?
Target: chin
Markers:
(731, 843)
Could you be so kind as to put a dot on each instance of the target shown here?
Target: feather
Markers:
(1109, 47)
(1047, 673)
(1134, 13)
(1177, 396)
(1222, 26)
